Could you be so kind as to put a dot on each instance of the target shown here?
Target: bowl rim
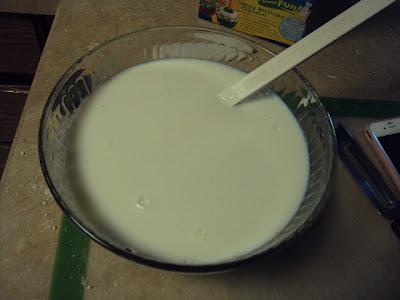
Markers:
(132, 255)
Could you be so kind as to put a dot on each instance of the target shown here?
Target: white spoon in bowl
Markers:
(303, 49)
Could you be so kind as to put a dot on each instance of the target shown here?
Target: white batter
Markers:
(177, 175)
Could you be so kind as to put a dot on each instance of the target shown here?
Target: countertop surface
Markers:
(351, 252)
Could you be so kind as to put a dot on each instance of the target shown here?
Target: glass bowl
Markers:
(107, 60)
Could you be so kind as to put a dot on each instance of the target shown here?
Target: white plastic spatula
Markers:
(302, 50)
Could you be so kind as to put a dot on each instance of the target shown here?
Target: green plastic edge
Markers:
(358, 108)
(69, 269)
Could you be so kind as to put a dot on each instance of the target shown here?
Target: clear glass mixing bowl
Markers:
(107, 60)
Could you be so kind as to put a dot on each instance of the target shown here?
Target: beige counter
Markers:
(350, 253)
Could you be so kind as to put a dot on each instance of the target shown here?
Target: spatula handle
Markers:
(303, 49)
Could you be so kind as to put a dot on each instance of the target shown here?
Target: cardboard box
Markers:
(283, 21)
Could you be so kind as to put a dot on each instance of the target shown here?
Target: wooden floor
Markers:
(11, 106)
(19, 50)
(19, 55)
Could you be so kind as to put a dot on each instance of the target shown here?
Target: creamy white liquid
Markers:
(180, 177)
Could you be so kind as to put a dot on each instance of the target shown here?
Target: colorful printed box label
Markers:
(279, 20)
